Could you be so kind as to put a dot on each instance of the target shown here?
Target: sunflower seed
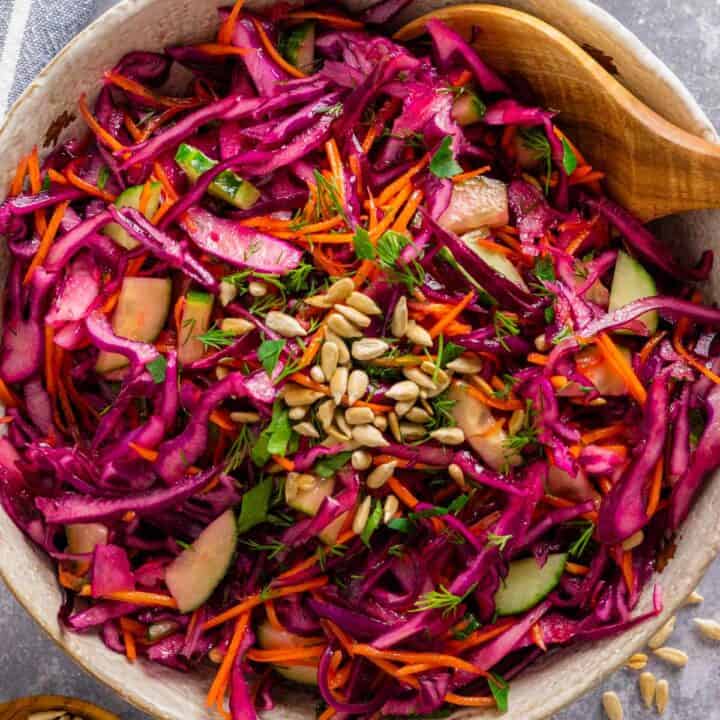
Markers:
(418, 415)
(465, 365)
(369, 436)
(361, 460)
(357, 385)
(361, 516)
(399, 323)
(517, 420)
(340, 290)
(359, 415)
(662, 696)
(306, 429)
(298, 413)
(246, 418)
(306, 482)
(338, 384)
(418, 334)
(404, 391)
(647, 684)
(437, 375)
(380, 422)
(403, 408)
(448, 436)
(221, 372)
(354, 316)
(637, 661)
(317, 374)
(236, 326)
(296, 395)
(440, 388)
(426, 406)
(394, 425)
(675, 657)
(338, 435)
(341, 326)
(456, 473)
(342, 423)
(634, 540)
(325, 413)
(284, 324)
(694, 598)
(320, 301)
(419, 378)
(257, 289)
(228, 292)
(390, 508)
(541, 343)
(329, 354)
(363, 303)
(343, 352)
(411, 431)
(380, 475)
(662, 635)
(613, 707)
(369, 349)
(709, 628)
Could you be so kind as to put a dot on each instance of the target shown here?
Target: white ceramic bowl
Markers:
(153, 24)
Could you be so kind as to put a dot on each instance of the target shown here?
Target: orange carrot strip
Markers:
(402, 493)
(224, 36)
(375, 407)
(603, 433)
(16, 186)
(50, 377)
(408, 212)
(217, 49)
(100, 132)
(168, 188)
(327, 713)
(57, 177)
(481, 636)
(621, 366)
(441, 324)
(222, 420)
(87, 187)
(136, 88)
(145, 453)
(305, 381)
(655, 488)
(462, 177)
(430, 658)
(313, 347)
(223, 673)
(398, 184)
(511, 403)
(575, 569)
(272, 615)
(321, 238)
(333, 155)
(479, 701)
(46, 240)
(7, 398)
(284, 463)
(129, 639)
(321, 226)
(589, 178)
(282, 655)
(557, 502)
(650, 345)
(145, 197)
(537, 358)
(309, 562)
(687, 355)
(253, 601)
(136, 597)
(336, 21)
(273, 53)
(35, 187)
(627, 570)
(161, 212)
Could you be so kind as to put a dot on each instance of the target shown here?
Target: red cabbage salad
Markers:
(338, 367)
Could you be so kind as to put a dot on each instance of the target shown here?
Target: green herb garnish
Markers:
(443, 163)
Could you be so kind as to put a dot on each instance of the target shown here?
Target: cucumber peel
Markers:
(195, 322)
(527, 584)
(130, 197)
(631, 282)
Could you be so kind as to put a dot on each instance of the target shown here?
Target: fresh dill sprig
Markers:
(498, 541)
(535, 140)
(240, 449)
(443, 416)
(506, 324)
(441, 599)
(216, 339)
(577, 549)
(328, 195)
(272, 547)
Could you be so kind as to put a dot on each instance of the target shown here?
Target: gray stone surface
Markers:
(686, 34)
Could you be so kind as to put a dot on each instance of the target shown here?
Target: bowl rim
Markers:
(585, 10)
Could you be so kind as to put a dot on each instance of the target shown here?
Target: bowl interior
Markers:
(153, 24)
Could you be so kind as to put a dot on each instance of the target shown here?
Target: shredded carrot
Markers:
(402, 493)
(321, 226)
(253, 601)
(35, 187)
(650, 345)
(109, 305)
(575, 569)
(284, 463)
(627, 570)
(511, 403)
(333, 155)
(441, 324)
(686, 355)
(327, 713)
(314, 559)
(321, 238)
(100, 132)
(655, 488)
(145, 197)
(46, 241)
(479, 701)
(482, 636)
(336, 21)
(136, 88)
(168, 188)
(57, 177)
(272, 615)
(462, 177)
(136, 597)
(50, 377)
(313, 347)
(219, 50)
(224, 36)
(7, 398)
(408, 212)
(286, 655)
(463, 78)
(305, 381)
(145, 453)
(590, 178)
(558, 502)
(273, 53)
(404, 180)
(429, 658)
(6, 419)
(16, 186)
(85, 186)
(621, 366)
(537, 637)
(129, 641)
(537, 358)
(605, 433)
(223, 673)
(222, 419)
(136, 133)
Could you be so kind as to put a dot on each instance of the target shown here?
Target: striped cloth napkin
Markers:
(32, 32)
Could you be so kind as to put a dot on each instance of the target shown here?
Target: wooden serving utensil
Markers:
(24, 708)
(653, 167)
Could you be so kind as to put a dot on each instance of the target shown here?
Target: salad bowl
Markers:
(46, 113)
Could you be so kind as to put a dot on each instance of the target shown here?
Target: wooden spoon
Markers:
(653, 167)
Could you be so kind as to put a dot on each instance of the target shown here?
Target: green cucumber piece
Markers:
(227, 186)
(468, 108)
(141, 313)
(527, 584)
(195, 321)
(496, 260)
(298, 46)
(130, 197)
(307, 501)
(269, 638)
(194, 574)
(631, 282)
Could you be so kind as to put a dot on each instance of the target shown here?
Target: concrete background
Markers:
(686, 35)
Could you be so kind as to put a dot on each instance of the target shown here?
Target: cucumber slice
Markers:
(141, 313)
(195, 321)
(298, 46)
(83, 537)
(527, 584)
(307, 501)
(194, 574)
(496, 260)
(227, 186)
(631, 282)
(468, 108)
(130, 197)
(270, 638)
